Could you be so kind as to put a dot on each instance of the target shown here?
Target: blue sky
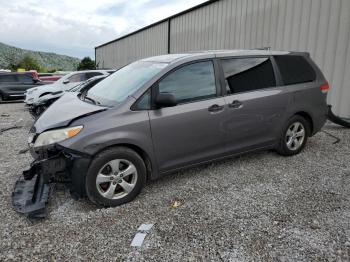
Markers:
(75, 27)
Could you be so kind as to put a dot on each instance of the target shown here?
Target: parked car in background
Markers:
(161, 114)
(45, 101)
(64, 83)
(49, 77)
(14, 85)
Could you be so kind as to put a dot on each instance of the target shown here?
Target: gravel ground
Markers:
(258, 207)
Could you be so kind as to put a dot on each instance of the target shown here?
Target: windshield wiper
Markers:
(92, 100)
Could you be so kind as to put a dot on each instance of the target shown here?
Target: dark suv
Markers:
(14, 85)
(161, 114)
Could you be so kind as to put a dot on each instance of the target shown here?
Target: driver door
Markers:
(190, 132)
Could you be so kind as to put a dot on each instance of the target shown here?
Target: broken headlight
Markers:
(57, 135)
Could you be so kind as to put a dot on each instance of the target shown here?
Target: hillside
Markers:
(10, 54)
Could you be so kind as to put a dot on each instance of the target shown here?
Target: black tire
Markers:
(282, 147)
(104, 158)
(1, 98)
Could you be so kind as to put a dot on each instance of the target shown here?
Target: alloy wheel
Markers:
(295, 136)
(116, 179)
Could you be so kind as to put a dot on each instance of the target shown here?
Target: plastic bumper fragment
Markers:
(30, 196)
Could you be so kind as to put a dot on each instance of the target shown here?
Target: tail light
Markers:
(324, 88)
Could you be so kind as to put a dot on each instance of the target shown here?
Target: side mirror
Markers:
(165, 100)
(66, 81)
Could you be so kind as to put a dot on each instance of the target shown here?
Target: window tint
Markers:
(77, 78)
(92, 74)
(191, 82)
(7, 78)
(295, 69)
(25, 79)
(248, 74)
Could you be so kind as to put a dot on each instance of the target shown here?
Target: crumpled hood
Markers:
(63, 111)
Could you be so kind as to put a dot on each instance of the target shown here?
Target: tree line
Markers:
(30, 63)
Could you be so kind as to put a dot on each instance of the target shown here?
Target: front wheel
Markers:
(115, 176)
(294, 136)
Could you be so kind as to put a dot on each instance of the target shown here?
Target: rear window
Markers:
(295, 69)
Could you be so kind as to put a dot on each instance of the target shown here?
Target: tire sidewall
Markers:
(103, 158)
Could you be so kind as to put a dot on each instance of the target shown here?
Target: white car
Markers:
(66, 82)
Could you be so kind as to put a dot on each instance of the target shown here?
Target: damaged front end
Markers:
(53, 164)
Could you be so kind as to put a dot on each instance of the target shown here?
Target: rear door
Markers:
(255, 103)
(190, 132)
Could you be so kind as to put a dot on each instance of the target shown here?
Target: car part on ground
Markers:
(337, 120)
(161, 114)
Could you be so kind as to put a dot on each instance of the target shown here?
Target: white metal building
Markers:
(321, 27)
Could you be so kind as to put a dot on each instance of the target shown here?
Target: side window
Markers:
(190, 83)
(144, 103)
(25, 79)
(295, 69)
(77, 78)
(7, 78)
(92, 74)
(248, 74)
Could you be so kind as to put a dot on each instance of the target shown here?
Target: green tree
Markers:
(29, 63)
(86, 64)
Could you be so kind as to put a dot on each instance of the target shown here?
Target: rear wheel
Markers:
(116, 176)
(294, 136)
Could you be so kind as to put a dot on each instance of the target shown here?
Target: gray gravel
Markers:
(258, 207)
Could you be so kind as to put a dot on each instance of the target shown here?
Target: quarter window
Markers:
(295, 69)
(144, 103)
(248, 74)
(190, 83)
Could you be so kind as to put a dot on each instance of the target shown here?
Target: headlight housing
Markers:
(57, 135)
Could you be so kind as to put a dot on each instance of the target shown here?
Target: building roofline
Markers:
(159, 22)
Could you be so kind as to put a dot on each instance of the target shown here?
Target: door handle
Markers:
(215, 108)
(236, 104)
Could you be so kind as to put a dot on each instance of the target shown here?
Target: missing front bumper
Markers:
(32, 190)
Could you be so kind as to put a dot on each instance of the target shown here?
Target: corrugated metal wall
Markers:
(150, 42)
(321, 27)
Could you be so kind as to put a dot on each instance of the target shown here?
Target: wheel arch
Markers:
(140, 151)
(308, 117)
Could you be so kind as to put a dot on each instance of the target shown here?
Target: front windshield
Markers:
(123, 83)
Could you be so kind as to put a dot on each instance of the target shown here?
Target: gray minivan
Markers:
(161, 114)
